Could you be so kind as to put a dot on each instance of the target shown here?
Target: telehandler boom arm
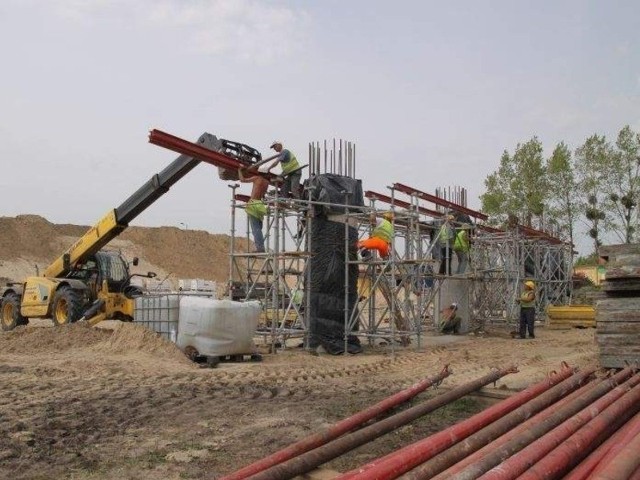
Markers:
(117, 220)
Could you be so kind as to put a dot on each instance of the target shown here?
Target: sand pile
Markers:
(131, 338)
(32, 240)
(32, 340)
(123, 338)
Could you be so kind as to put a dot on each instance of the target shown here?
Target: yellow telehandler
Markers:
(88, 283)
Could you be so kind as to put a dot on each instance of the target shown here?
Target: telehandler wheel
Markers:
(10, 316)
(68, 306)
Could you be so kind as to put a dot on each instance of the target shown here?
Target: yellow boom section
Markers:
(97, 237)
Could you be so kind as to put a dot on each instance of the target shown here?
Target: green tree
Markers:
(563, 197)
(519, 186)
(621, 186)
(593, 160)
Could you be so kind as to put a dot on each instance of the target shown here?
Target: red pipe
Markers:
(517, 443)
(308, 461)
(521, 461)
(478, 454)
(179, 145)
(589, 464)
(635, 475)
(439, 201)
(338, 429)
(576, 447)
(392, 201)
(630, 431)
(403, 460)
(623, 465)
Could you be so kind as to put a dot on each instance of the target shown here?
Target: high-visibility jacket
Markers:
(528, 299)
(384, 230)
(256, 208)
(461, 242)
(292, 164)
(445, 234)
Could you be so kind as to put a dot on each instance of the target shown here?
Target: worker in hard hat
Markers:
(462, 242)
(381, 235)
(527, 309)
(290, 169)
(449, 320)
(444, 239)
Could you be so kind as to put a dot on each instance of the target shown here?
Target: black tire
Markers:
(10, 316)
(68, 306)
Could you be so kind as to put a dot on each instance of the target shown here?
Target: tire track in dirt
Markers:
(81, 407)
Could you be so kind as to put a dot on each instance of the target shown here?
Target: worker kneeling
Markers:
(450, 321)
(381, 236)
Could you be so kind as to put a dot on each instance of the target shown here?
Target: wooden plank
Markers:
(611, 344)
(611, 252)
(618, 316)
(618, 327)
(621, 286)
(618, 361)
(615, 309)
(622, 273)
(623, 266)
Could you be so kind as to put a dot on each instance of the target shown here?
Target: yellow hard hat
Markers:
(387, 216)
(530, 284)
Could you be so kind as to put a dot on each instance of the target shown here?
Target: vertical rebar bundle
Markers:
(337, 157)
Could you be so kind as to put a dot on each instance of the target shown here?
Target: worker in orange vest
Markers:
(381, 236)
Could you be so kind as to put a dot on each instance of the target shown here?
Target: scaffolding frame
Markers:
(503, 261)
(398, 297)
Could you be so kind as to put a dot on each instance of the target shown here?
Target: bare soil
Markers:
(29, 243)
(118, 402)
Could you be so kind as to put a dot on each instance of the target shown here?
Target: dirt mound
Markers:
(27, 340)
(29, 240)
(128, 337)
(117, 338)
(26, 236)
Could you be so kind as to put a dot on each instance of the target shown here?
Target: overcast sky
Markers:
(430, 92)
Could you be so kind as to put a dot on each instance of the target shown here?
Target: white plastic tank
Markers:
(217, 327)
(158, 313)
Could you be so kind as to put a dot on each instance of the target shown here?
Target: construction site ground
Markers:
(119, 402)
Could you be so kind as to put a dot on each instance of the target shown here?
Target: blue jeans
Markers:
(463, 261)
(256, 229)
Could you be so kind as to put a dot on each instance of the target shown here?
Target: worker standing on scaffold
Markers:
(381, 236)
(256, 209)
(290, 169)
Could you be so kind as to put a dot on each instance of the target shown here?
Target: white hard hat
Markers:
(454, 305)
(275, 142)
